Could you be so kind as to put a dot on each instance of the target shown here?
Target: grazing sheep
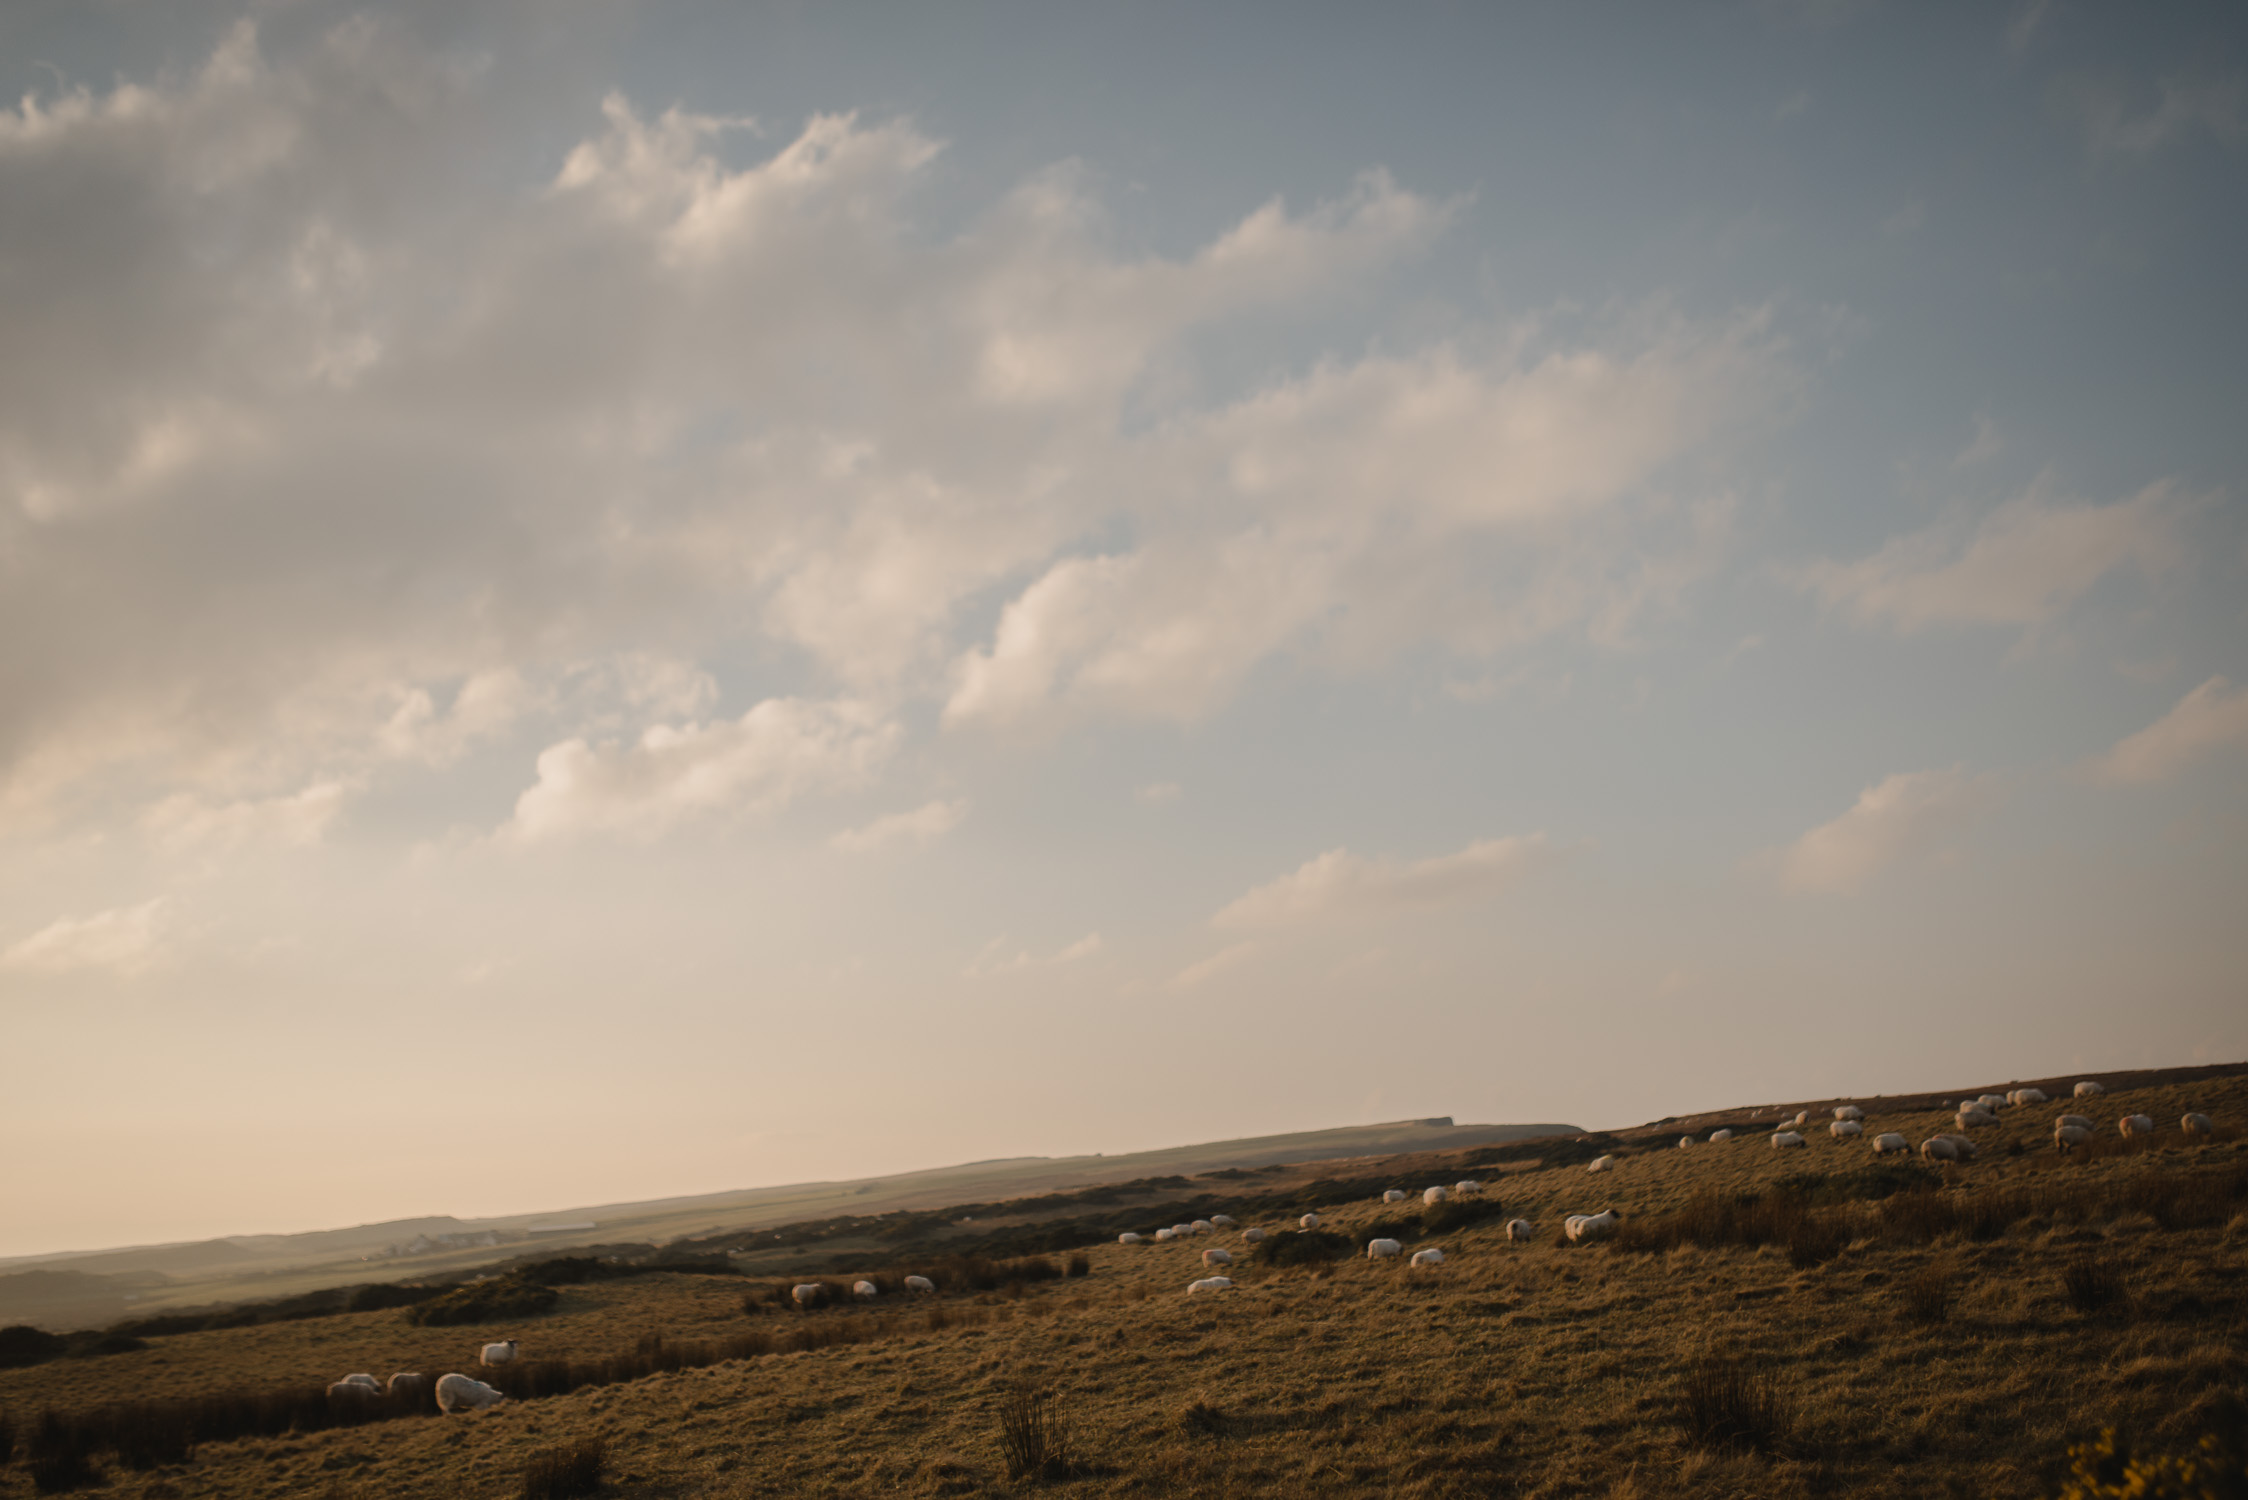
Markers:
(1848, 1112)
(2087, 1089)
(1200, 1226)
(497, 1354)
(1429, 1257)
(1720, 1135)
(1584, 1228)
(1394, 1195)
(1251, 1236)
(1991, 1101)
(1802, 1117)
(1467, 1185)
(1210, 1284)
(1971, 1119)
(364, 1382)
(2022, 1097)
(1520, 1229)
(865, 1291)
(1684, 1141)
(460, 1393)
(1782, 1139)
(1220, 1221)
(1938, 1148)
(1127, 1238)
(2080, 1121)
(2067, 1137)
(924, 1284)
(1843, 1128)
(1601, 1164)
(2198, 1124)
(1166, 1234)
(1435, 1195)
(1382, 1249)
(351, 1390)
(407, 1382)
(2132, 1125)
(1182, 1230)
(1965, 1147)
(1217, 1257)
(1308, 1221)
(807, 1294)
(1889, 1141)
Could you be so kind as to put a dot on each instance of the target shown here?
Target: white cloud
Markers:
(1340, 884)
(2027, 561)
(484, 706)
(1203, 970)
(2213, 717)
(928, 822)
(779, 750)
(995, 960)
(297, 820)
(1904, 816)
(125, 941)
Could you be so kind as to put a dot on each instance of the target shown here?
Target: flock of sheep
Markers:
(455, 1393)
(2069, 1131)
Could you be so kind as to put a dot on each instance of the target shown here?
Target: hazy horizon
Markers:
(606, 602)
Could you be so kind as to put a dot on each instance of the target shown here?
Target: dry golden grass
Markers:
(1518, 1369)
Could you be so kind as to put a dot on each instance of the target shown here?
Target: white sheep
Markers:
(807, 1294)
(1220, 1221)
(2132, 1125)
(1848, 1112)
(2022, 1097)
(1209, 1284)
(2067, 1137)
(1519, 1229)
(2082, 1122)
(1889, 1141)
(1217, 1257)
(1938, 1148)
(1181, 1231)
(1992, 1101)
(1782, 1139)
(1802, 1117)
(1251, 1236)
(2198, 1124)
(1720, 1135)
(460, 1393)
(1467, 1185)
(1584, 1228)
(1394, 1195)
(1308, 1221)
(1430, 1197)
(1684, 1141)
(1382, 1249)
(407, 1382)
(1127, 1238)
(1428, 1257)
(1601, 1164)
(2087, 1089)
(497, 1354)
(1166, 1234)
(1200, 1226)
(364, 1382)
(924, 1284)
(1844, 1128)
(865, 1291)
(1971, 1119)
(1965, 1147)
(349, 1389)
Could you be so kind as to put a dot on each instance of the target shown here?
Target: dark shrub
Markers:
(1731, 1407)
(1459, 1213)
(7, 1435)
(1300, 1247)
(379, 1296)
(149, 1434)
(1200, 1416)
(91, 1345)
(60, 1455)
(566, 1470)
(1033, 1438)
(1080, 1264)
(1927, 1296)
(1816, 1240)
(24, 1345)
(2090, 1284)
(484, 1302)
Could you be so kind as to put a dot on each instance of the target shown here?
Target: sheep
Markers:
(2021, 1098)
(349, 1389)
(2068, 1137)
(1220, 1221)
(1684, 1141)
(1430, 1197)
(1584, 1228)
(1970, 1119)
(2080, 1121)
(1252, 1236)
(1429, 1257)
(1382, 1249)
(460, 1393)
(364, 1382)
(807, 1294)
(1209, 1284)
(1802, 1117)
(1848, 1112)
(1965, 1147)
(924, 1284)
(1841, 1129)
(1889, 1141)
(497, 1354)
(1127, 1238)
(1308, 1221)
(407, 1383)
(1601, 1164)
(1467, 1185)
(2087, 1089)
(2132, 1125)
(1520, 1229)
(2198, 1124)
(1991, 1101)
(865, 1291)
(1166, 1234)
(1200, 1226)
(1782, 1139)
(1938, 1148)
(1394, 1195)
(1720, 1135)
(1181, 1231)
(1217, 1257)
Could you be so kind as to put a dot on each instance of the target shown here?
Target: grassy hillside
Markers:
(1776, 1323)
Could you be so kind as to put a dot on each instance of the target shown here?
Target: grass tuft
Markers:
(1731, 1407)
(1928, 1295)
(566, 1470)
(1034, 1438)
(2090, 1284)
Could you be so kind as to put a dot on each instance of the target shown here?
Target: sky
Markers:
(601, 601)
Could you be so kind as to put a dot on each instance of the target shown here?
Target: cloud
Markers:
(297, 820)
(781, 749)
(2213, 717)
(2117, 130)
(930, 821)
(1203, 970)
(994, 960)
(1904, 816)
(1341, 884)
(1159, 793)
(2027, 561)
(125, 941)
